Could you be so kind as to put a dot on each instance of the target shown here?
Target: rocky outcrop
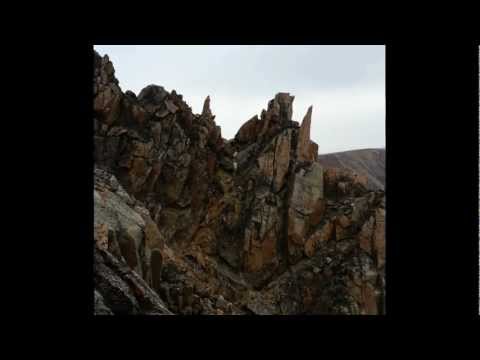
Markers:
(305, 207)
(337, 276)
(277, 116)
(158, 149)
(137, 273)
(189, 223)
(120, 290)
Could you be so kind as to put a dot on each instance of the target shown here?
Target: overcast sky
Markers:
(345, 84)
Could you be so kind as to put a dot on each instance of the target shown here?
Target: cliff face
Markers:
(365, 162)
(189, 223)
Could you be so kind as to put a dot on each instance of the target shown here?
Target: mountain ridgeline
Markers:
(368, 162)
(187, 222)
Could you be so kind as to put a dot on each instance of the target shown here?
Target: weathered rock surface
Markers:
(189, 223)
(120, 290)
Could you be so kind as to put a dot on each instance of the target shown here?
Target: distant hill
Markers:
(369, 162)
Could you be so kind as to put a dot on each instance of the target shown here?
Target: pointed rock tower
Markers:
(206, 107)
(307, 149)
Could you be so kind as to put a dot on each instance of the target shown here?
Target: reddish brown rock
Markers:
(266, 164)
(369, 300)
(296, 231)
(211, 163)
(206, 107)
(317, 214)
(253, 256)
(342, 230)
(306, 194)
(261, 236)
(307, 189)
(101, 236)
(281, 108)
(322, 235)
(282, 159)
(248, 131)
(343, 221)
(365, 235)
(379, 237)
(153, 237)
(275, 163)
(361, 179)
(305, 149)
(198, 212)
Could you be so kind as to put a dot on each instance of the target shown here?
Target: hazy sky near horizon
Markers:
(345, 84)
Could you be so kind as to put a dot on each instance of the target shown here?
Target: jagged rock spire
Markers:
(306, 123)
(206, 107)
(281, 108)
(277, 116)
(307, 149)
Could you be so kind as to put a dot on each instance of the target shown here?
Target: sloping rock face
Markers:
(123, 251)
(120, 290)
(189, 223)
(136, 272)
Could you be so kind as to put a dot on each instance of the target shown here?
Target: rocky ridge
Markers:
(187, 222)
